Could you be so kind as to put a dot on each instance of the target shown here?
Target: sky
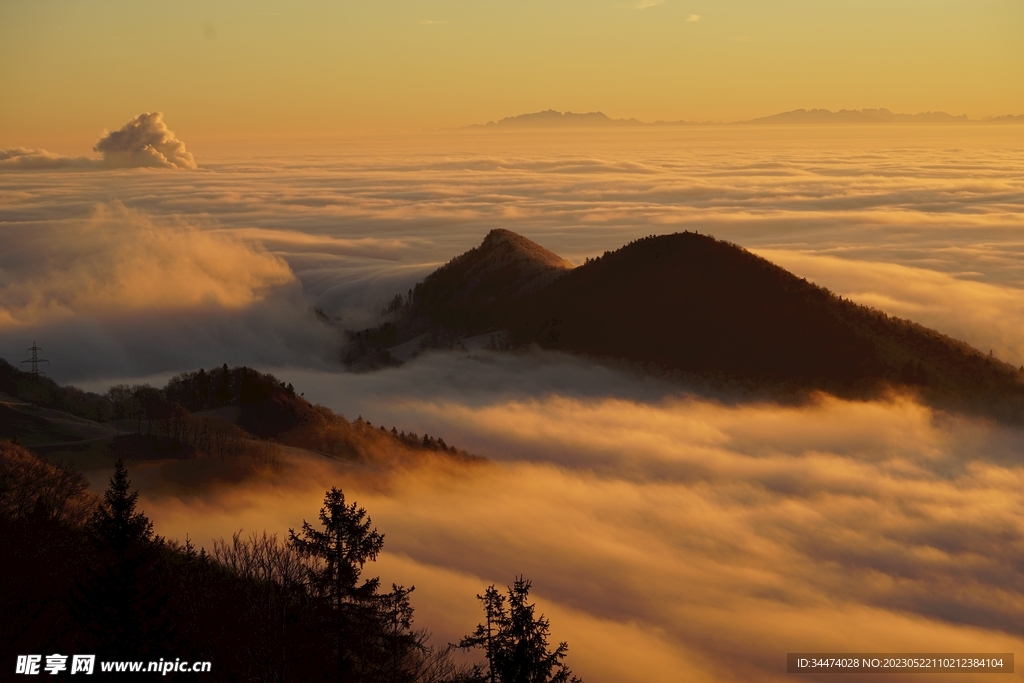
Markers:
(272, 70)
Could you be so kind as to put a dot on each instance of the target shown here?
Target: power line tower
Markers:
(35, 360)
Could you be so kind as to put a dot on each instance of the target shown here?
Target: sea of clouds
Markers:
(670, 536)
(923, 223)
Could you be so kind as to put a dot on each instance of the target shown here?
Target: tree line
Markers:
(44, 392)
(91, 575)
(189, 411)
(225, 412)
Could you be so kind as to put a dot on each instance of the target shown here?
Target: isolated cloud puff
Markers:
(143, 142)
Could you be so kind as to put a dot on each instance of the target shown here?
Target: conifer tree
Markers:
(489, 635)
(343, 547)
(122, 600)
(115, 525)
(338, 553)
(516, 641)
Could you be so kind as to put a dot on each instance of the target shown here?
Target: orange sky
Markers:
(231, 69)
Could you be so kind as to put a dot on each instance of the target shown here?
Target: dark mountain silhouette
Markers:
(469, 291)
(89, 574)
(693, 306)
(237, 416)
(44, 392)
(1006, 118)
(598, 120)
(557, 119)
(468, 295)
(15, 423)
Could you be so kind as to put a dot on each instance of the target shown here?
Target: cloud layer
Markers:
(678, 536)
(122, 292)
(359, 222)
(669, 536)
(122, 261)
(28, 159)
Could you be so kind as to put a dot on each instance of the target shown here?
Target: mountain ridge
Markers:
(551, 118)
(690, 306)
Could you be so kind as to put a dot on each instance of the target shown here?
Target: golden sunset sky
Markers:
(315, 67)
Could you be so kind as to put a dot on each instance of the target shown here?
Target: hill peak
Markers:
(469, 291)
(502, 245)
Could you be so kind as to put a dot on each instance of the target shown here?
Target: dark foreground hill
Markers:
(237, 417)
(691, 306)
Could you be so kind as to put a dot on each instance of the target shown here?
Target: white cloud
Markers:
(143, 142)
(706, 538)
(21, 158)
(693, 17)
(121, 260)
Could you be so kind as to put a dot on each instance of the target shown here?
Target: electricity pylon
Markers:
(35, 360)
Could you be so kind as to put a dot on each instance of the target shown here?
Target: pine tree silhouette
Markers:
(515, 640)
(121, 603)
(115, 525)
(488, 636)
(339, 552)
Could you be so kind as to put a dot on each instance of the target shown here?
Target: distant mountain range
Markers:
(557, 119)
(688, 306)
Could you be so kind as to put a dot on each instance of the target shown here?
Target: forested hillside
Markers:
(208, 411)
(90, 575)
(693, 304)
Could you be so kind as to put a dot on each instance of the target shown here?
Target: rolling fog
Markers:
(670, 536)
(674, 538)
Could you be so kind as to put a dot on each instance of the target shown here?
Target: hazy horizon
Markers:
(220, 69)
